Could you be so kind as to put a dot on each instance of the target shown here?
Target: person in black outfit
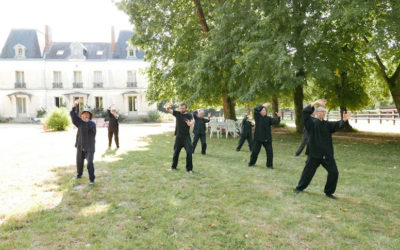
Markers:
(304, 139)
(199, 130)
(184, 121)
(245, 133)
(262, 134)
(320, 148)
(113, 126)
(85, 140)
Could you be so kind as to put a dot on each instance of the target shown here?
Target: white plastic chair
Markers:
(230, 128)
(214, 128)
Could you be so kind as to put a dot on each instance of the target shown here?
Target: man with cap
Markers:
(85, 140)
(113, 126)
(184, 121)
(320, 148)
(245, 133)
(199, 130)
(262, 134)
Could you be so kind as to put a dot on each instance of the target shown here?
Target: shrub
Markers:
(154, 116)
(58, 119)
(40, 112)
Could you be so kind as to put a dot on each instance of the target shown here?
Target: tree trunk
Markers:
(275, 105)
(393, 82)
(202, 19)
(298, 108)
(229, 107)
(347, 127)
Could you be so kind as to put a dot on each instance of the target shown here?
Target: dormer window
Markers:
(77, 51)
(131, 52)
(99, 53)
(60, 52)
(19, 51)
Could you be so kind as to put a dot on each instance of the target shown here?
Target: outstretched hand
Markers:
(321, 102)
(346, 116)
(188, 122)
(279, 113)
(266, 104)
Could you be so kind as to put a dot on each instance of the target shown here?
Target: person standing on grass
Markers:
(113, 126)
(245, 133)
(262, 134)
(199, 130)
(304, 139)
(184, 121)
(320, 147)
(85, 140)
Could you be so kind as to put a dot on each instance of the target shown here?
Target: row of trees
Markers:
(241, 52)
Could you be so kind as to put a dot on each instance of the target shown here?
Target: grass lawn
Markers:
(137, 203)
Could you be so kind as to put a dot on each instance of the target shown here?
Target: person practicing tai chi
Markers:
(262, 134)
(304, 139)
(113, 126)
(85, 140)
(199, 130)
(184, 121)
(320, 148)
(245, 133)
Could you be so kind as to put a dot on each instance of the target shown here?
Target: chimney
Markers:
(48, 38)
(112, 39)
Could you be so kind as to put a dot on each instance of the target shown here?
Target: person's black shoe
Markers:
(78, 177)
(250, 165)
(91, 182)
(297, 191)
(270, 167)
(237, 150)
(331, 196)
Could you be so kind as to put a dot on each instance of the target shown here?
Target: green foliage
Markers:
(40, 112)
(59, 119)
(154, 116)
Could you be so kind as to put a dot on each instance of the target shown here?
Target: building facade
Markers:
(36, 73)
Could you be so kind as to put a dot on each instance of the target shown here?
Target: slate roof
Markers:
(26, 37)
(90, 50)
(29, 39)
(121, 45)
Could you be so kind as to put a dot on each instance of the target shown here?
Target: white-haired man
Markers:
(320, 147)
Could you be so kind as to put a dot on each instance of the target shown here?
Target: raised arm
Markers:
(76, 120)
(335, 126)
(168, 108)
(277, 118)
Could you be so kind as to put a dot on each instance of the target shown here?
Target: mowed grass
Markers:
(137, 203)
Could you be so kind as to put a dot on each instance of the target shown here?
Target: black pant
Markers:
(80, 158)
(183, 142)
(243, 139)
(203, 142)
(311, 167)
(112, 132)
(256, 150)
(304, 141)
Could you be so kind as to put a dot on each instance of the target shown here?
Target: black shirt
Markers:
(199, 124)
(113, 121)
(85, 137)
(246, 127)
(263, 125)
(320, 134)
(182, 129)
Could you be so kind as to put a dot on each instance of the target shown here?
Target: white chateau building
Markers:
(37, 73)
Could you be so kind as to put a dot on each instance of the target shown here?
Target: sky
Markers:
(70, 20)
